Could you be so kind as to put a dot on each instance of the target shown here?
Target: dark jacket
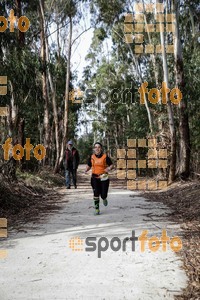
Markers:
(71, 159)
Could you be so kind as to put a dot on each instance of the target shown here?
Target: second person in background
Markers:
(71, 161)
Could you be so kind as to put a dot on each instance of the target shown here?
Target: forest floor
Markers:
(34, 197)
(30, 195)
(183, 199)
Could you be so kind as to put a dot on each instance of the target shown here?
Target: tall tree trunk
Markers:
(44, 81)
(184, 155)
(116, 136)
(66, 113)
(139, 74)
(108, 143)
(54, 104)
(170, 111)
(155, 70)
(21, 35)
(21, 141)
(9, 168)
(13, 117)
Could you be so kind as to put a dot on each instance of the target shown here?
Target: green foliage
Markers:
(85, 147)
(117, 69)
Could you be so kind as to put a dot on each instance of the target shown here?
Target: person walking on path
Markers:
(101, 164)
(71, 161)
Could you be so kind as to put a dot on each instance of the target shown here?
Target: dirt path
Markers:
(41, 265)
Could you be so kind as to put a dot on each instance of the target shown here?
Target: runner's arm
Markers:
(109, 163)
(78, 158)
(89, 165)
(87, 169)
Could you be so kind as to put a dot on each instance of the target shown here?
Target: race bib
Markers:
(103, 177)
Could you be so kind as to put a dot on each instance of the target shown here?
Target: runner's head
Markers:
(98, 148)
(69, 144)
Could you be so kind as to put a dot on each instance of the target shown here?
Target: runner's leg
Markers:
(95, 183)
(67, 177)
(104, 191)
(74, 177)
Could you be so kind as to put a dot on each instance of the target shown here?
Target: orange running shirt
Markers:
(98, 164)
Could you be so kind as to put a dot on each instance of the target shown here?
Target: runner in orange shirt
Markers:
(101, 164)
